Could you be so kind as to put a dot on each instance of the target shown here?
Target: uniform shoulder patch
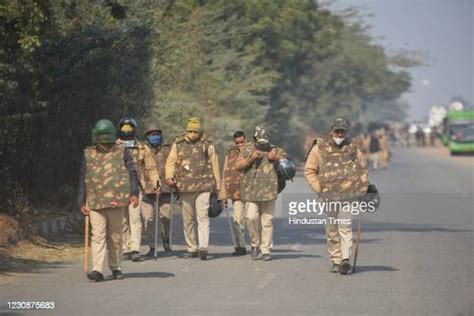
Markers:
(231, 149)
(180, 139)
(89, 150)
(141, 145)
(207, 139)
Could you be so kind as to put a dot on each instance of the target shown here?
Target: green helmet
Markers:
(103, 132)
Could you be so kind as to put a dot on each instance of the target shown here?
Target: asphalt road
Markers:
(416, 258)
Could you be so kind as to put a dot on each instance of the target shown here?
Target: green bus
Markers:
(458, 131)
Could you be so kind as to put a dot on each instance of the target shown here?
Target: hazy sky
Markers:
(444, 29)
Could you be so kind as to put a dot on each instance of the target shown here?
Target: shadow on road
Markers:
(362, 269)
(292, 256)
(149, 275)
(404, 227)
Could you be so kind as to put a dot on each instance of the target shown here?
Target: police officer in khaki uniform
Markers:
(149, 184)
(259, 190)
(384, 153)
(108, 183)
(160, 151)
(335, 169)
(192, 168)
(231, 190)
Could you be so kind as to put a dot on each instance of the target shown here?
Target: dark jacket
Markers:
(374, 144)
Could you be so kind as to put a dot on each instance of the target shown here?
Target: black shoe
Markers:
(190, 255)
(166, 246)
(239, 251)
(203, 253)
(95, 276)
(345, 266)
(266, 257)
(150, 253)
(254, 253)
(336, 268)
(136, 256)
(126, 256)
(117, 275)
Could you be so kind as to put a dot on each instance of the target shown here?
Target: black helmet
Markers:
(215, 206)
(372, 196)
(285, 168)
(127, 132)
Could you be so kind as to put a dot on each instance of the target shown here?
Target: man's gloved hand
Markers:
(85, 210)
(134, 201)
(171, 182)
(272, 154)
(158, 190)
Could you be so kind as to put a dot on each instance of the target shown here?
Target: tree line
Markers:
(292, 66)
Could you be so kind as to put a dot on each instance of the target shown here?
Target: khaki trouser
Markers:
(106, 229)
(383, 159)
(264, 211)
(339, 236)
(239, 222)
(374, 160)
(148, 213)
(132, 228)
(195, 204)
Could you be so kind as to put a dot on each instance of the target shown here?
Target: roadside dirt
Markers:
(19, 255)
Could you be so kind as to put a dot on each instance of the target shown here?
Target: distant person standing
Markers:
(374, 149)
(384, 153)
(433, 134)
(420, 137)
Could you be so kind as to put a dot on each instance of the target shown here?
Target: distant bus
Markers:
(458, 131)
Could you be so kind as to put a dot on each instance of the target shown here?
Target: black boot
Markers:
(239, 251)
(136, 256)
(254, 253)
(336, 268)
(345, 266)
(150, 253)
(190, 255)
(126, 256)
(166, 246)
(203, 253)
(117, 275)
(95, 276)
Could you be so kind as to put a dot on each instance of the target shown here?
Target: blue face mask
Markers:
(154, 140)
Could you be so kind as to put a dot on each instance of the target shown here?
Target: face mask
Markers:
(154, 140)
(338, 140)
(129, 143)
